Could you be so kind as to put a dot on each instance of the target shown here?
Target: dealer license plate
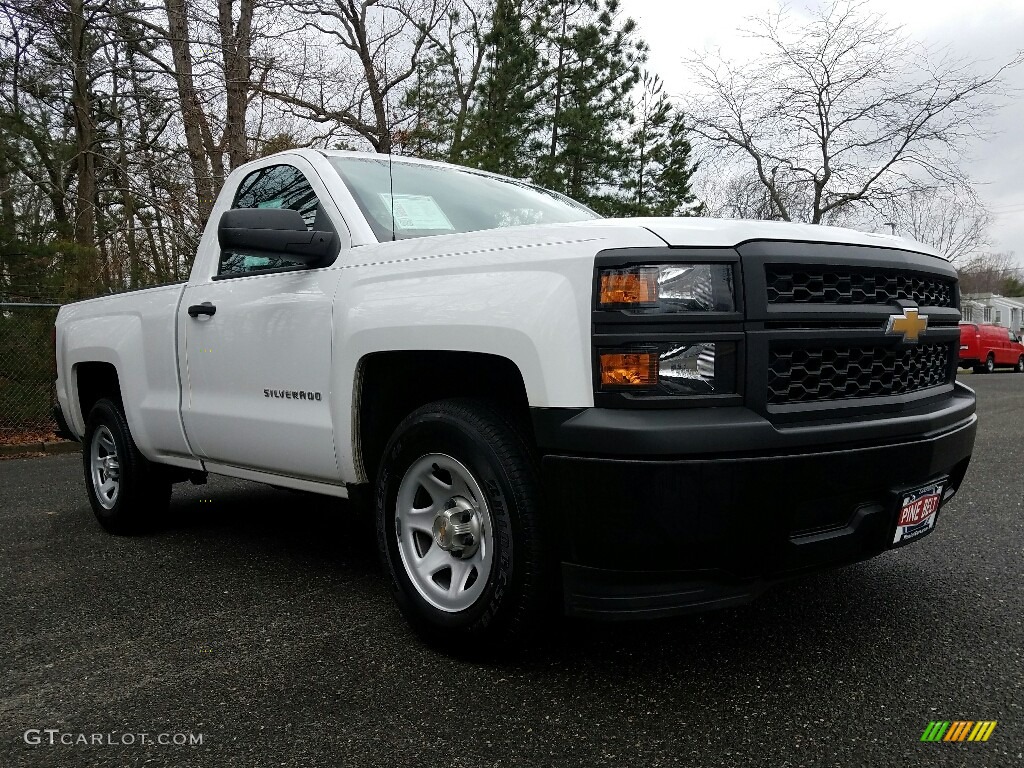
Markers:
(918, 512)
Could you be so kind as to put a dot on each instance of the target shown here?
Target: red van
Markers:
(987, 347)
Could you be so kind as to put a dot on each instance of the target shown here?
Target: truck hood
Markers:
(728, 233)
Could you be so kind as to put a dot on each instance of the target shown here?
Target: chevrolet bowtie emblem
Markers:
(910, 325)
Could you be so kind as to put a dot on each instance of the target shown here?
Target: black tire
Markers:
(990, 364)
(1019, 367)
(520, 591)
(143, 490)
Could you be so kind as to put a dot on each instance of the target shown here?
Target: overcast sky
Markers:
(990, 30)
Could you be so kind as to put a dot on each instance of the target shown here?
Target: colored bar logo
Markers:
(958, 730)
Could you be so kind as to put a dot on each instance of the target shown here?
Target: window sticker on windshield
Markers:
(417, 212)
(275, 203)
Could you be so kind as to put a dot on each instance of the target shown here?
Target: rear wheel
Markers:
(1019, 368)
(125, 489)
(990, 364)
(458, 527)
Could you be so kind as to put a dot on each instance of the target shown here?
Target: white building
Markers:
(995, 309)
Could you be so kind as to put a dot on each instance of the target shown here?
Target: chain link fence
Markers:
(27, 393)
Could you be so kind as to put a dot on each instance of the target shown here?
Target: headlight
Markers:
(670, 369)
(668, 288)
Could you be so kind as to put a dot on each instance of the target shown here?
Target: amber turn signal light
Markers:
(638, 369)
(628, 287)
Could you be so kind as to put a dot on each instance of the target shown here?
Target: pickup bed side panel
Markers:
(134, 332)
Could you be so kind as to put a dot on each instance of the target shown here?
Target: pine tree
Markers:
(593, 63)
(502, 122)
(657, 170)
(444, 90)
(430, 132)
(673, 191)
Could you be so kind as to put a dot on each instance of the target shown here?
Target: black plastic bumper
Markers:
(700, 509)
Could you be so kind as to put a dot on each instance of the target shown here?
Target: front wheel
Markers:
(125, 489)
(459, 529)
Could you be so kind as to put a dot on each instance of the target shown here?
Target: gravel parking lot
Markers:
(260, 619)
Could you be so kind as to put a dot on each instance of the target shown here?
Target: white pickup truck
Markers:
(548, 410)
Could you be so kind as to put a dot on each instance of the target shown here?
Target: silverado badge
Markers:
(910, 325)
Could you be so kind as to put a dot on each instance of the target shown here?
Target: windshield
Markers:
(437, 200)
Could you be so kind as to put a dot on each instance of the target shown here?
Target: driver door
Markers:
(258, 345)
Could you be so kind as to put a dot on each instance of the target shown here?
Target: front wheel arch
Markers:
(383, 396)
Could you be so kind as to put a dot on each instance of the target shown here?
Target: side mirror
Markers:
(276, 232)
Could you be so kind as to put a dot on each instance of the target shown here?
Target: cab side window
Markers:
(276, 186)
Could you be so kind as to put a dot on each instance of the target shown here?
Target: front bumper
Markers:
(665, 512)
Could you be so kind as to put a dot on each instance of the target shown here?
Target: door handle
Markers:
(206, 308)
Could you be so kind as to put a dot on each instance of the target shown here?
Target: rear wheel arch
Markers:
(95, 381)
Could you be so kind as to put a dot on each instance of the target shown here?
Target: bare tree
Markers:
(81, 49)
(198, 136)
(743, 196)
(385, 42)
(953, 223)
(221, 85)
(455, 59)
(991, 272)
(842, 111)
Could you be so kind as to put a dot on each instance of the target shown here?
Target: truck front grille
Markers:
(807, 374)
(813, 284)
